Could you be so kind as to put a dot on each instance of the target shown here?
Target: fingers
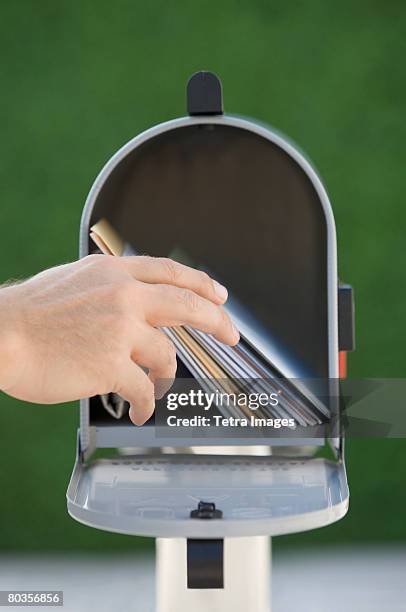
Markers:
(156, 352)
(135, 387)
(170, 306)
(160, 270)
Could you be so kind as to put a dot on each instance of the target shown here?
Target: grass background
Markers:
(80, 79)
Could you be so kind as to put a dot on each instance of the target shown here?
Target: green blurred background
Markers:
(80, 79)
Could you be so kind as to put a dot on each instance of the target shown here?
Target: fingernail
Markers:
(237, 333)
(220, 291)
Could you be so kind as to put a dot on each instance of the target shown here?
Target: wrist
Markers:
(11, 338)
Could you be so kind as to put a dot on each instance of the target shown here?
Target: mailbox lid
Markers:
(153, 495)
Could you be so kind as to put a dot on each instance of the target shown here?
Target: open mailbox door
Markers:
(156, 496)
(241, 201)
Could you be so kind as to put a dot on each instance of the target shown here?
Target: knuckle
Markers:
(116, 302)
(169, 352)
(171, 269)
(120, 327)
(190, 300)
(101, 266)
(165, 353)
(93, 260)
(107, 295)
(123, 326)
(206, 282)
(116, 295)
(146, 391)
(143, 261)
(124, 293)
(225, 320)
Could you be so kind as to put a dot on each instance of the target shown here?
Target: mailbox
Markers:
(242, 201)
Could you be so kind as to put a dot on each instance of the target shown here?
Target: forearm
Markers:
(11, 337)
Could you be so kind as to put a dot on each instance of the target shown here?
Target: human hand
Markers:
(88, 328)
